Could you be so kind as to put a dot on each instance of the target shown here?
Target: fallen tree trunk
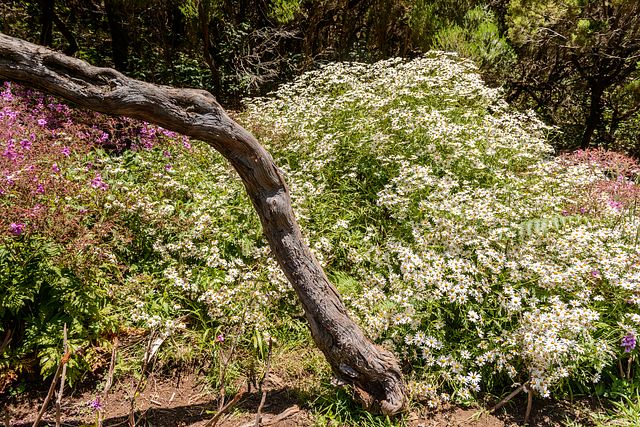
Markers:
(373, 371)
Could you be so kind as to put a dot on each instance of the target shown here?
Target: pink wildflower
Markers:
(614, 204)
(97, 182)
(16, 228)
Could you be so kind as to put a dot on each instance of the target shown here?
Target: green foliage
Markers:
(337, 406)
(624, 412)
(540, 226)
(435, 208)
(284, 11)
(428, 18)
(38, 295)
(550, 56)
(525, 17)
(577, 65)
(478, 38)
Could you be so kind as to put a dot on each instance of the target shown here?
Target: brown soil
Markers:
(184, 401)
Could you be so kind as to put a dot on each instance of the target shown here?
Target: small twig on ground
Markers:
(529, 404)
(112, 366)
(63, 361)
(145, 362)
(272, 421)
(213, 421)
(109, 381)
(224, 365)
(475, 416)
(65, 347)
(264, 392)
(508, 398)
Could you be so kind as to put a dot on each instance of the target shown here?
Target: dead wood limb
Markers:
(226, 361)
(139, 385)
(65, 347)
(513, 394)
(196, 113)
(264, 392)
(112, 366)
(213, 421)
(275, 420)
(109, 381)
(52, 387)
(529, 405)
(621, 368)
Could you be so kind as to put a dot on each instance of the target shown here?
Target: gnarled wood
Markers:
(373, 371)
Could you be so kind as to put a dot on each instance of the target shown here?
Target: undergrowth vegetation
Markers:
(453, 235)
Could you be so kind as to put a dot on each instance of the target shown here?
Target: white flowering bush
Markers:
(451, 231)
(455, 237)
(195, 242)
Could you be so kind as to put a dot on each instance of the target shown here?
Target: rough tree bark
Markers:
(373, 371)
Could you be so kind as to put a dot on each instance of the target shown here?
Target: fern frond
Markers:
(542, 226)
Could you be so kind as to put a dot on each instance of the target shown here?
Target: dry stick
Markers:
(264, 392)
(109, 382)
(63, 362)
(65, 345)
(112, 366)
(621, 368)
(132, 419)
(284, 414)
(213, 421)
(276, 419)
(508, 398)
(225, 365)
(222, 408)
(5, 344)
(529, 404)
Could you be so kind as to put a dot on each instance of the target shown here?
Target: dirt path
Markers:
(182, 401)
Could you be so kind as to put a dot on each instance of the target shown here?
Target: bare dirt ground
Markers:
(182, 400)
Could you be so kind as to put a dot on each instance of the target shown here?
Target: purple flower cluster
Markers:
(615, 205)
(40, 139)
(628, 342)
(16, 228)
(95, 404)
(97, 182)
